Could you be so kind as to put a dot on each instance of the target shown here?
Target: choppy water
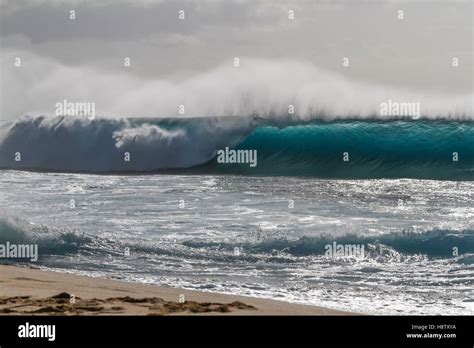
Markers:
(183, 231)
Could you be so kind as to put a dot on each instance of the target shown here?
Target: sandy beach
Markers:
(28, 291)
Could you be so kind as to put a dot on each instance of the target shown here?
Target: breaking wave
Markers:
(50, 241)
(399, 148)
(387, 247)
(433, 243)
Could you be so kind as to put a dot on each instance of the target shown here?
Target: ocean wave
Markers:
(50, 241)
(397, 149)
(101, 145)
(385, 247)
(56, 240)
(389, 247)
(372, 149)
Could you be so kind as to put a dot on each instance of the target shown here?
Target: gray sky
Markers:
(410, 54)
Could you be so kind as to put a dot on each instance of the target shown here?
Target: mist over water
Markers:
(260, 87)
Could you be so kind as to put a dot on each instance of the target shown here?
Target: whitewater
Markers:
(256, 236)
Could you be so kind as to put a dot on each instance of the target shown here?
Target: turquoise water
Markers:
(374, 149)
(350, 149)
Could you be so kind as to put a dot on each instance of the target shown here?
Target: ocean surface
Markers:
(173, 216)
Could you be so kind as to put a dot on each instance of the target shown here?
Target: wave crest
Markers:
(383, 248)
(79, 144)
(373, 149)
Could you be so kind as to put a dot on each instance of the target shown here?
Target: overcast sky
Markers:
(413, 54)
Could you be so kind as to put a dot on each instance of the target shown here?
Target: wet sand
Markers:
(29, 291)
